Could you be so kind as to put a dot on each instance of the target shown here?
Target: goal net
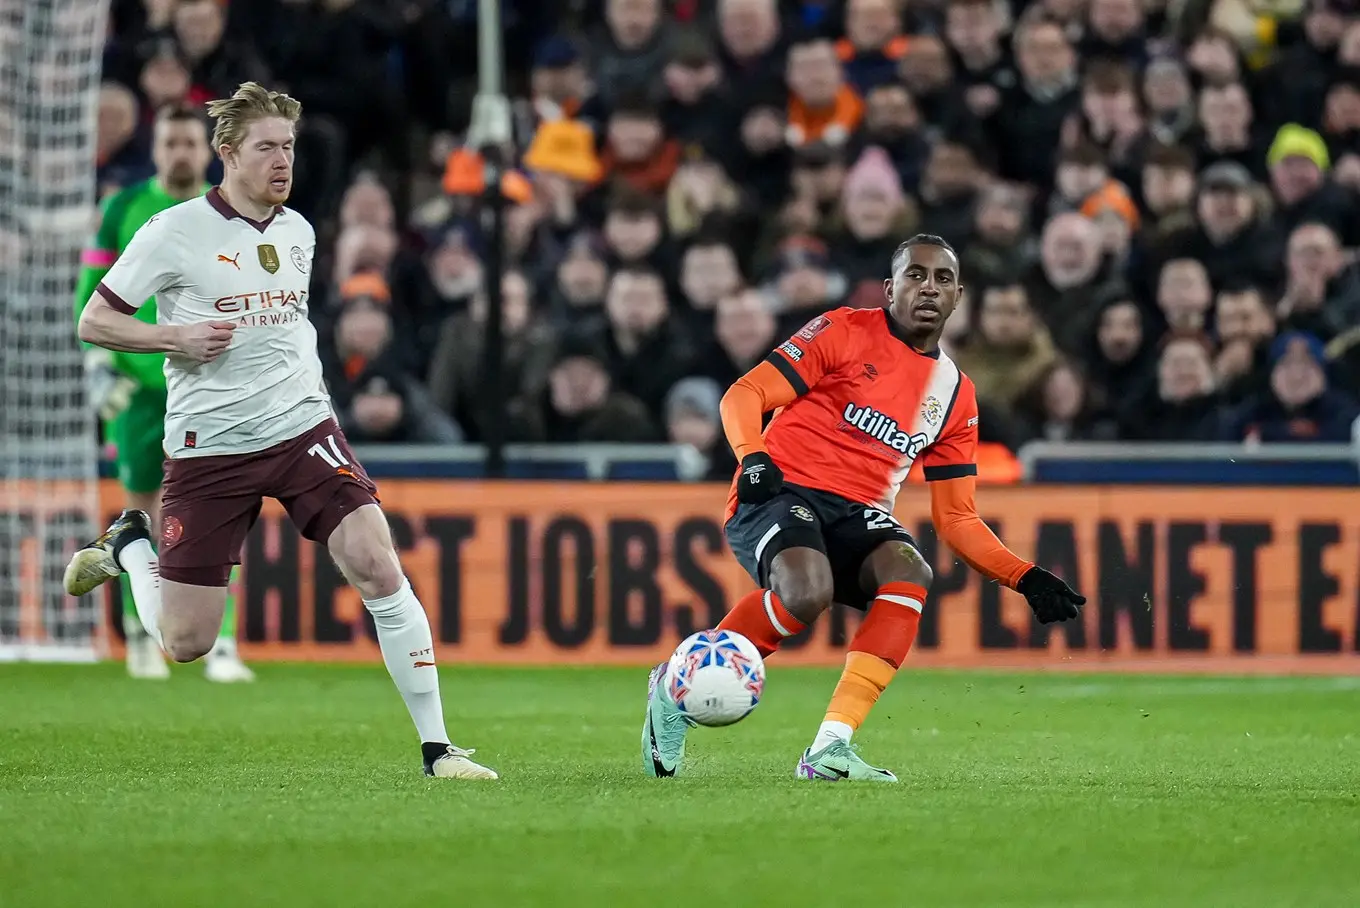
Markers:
(50, 54)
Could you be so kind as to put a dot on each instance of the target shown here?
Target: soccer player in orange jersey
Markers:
(859, 395)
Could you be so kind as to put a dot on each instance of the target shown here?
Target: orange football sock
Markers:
(878, 649)
(760, 617)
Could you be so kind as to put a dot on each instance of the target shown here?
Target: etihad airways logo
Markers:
(260, 299)
(885, 429)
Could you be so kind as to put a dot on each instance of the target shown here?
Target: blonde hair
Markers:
(250, 102)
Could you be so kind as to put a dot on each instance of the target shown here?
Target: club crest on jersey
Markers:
(932, 411)
(884, 428)
(299, 259)
(813, 328)
(269, 258)
(801, 513)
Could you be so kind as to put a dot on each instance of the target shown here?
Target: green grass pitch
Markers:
(1018, 790)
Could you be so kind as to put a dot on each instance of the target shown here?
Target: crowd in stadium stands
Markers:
(1157, 202)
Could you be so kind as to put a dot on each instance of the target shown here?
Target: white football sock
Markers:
(138, 559)
(408, 649)
(830, 732)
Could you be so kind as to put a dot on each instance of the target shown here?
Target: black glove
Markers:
(1050, 598)
(760, 479)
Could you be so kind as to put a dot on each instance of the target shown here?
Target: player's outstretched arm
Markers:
(743, 410)
(104, 326)
(954, 513)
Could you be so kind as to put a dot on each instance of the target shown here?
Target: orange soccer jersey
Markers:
(868, 405)
(855, 406)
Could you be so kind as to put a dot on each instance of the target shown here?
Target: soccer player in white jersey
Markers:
(248, 415)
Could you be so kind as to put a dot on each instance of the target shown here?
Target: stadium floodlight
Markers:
(50, 54)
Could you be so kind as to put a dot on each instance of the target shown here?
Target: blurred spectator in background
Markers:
(708, 272)
(1124, 360)
(1068, 279)
(986, 72)
(164, 78)
(1110, 115)
(761, 160)
(635, 231)
(645, 348)
(822, 107)
(630, 51)
(1115, 32)
(1002, 248)
(873, 42)
(1300, 404)
(803, 283)
(636, 151)
(216, 65)
(700, 192)
(1010, 348)
(927, 72)
(1168, 186)
(1183, 403)
(1184, 295)
(892, 123)
(1231, 238)
(376, 397)
(1059, 406)
(580, 403)
(744, 332)
(1299, 164)
(751, 36)
(1245, 327)
(949, 192)
(692, 419)
(874, 216)
(1169, 99)
(121, 159)
(1226, 129)
(1030, 121)
(1321, 291)
(458, 365)
(696, 109)
(558, 81)
(579, 282)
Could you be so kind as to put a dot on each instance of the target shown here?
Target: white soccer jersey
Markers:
(203, 261)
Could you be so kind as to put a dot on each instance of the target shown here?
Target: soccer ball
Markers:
(716, 677)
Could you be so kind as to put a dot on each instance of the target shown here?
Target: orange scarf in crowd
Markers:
(832, 125)
(651, 176)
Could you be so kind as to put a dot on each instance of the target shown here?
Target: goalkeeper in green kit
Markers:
(129, 388)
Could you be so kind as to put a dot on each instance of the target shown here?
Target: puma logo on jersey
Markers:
(234, 262)
(885, 429)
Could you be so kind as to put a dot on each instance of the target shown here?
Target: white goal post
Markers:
(50, 59)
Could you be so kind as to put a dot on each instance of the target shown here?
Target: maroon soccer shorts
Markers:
(210, 503)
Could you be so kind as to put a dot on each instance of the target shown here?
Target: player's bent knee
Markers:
(372, 566)
(188, 645)
(898, 562)
(803, 581)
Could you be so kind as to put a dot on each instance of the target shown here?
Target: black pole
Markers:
(493, 350)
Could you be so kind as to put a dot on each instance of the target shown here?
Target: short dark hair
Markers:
(1170, 157)
(921, 239)
(175, 112)
(1236, 286)
(627, 200)
(635, 104)
(1084, 154)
